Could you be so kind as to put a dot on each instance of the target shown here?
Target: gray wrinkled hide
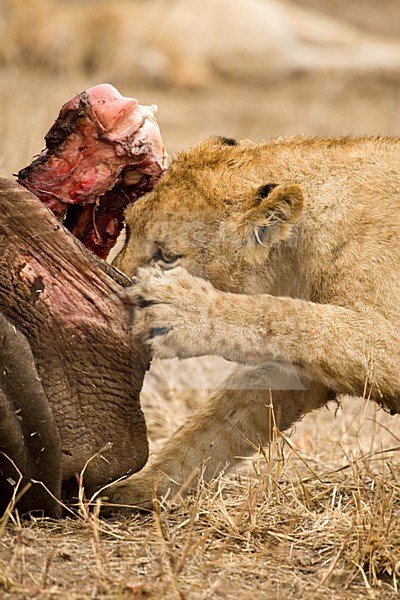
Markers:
(29, 436)
(68, 310)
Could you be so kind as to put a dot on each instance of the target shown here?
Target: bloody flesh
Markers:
(102, 153)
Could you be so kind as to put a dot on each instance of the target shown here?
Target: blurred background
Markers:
(242, 68)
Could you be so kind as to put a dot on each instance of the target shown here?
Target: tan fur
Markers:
(297, 281)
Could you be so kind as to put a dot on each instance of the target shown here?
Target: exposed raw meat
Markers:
(102, 153)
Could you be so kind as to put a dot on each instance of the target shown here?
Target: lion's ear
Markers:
(276, 209)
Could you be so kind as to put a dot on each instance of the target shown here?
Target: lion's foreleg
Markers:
(232, 424)
(348, 350)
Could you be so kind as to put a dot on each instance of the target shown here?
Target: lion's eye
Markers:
(165, 256)
(168, 257)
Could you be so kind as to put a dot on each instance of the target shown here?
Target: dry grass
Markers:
(313, 516)
(316, 516)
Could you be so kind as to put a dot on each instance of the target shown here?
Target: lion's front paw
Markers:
(134, 493)
(140, 491)
(174, 312)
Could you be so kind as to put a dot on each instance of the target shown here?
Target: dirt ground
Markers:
(315, 515)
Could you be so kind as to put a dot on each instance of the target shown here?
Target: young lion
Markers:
(283, 257)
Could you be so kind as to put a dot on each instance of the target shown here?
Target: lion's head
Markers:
(214, 214)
